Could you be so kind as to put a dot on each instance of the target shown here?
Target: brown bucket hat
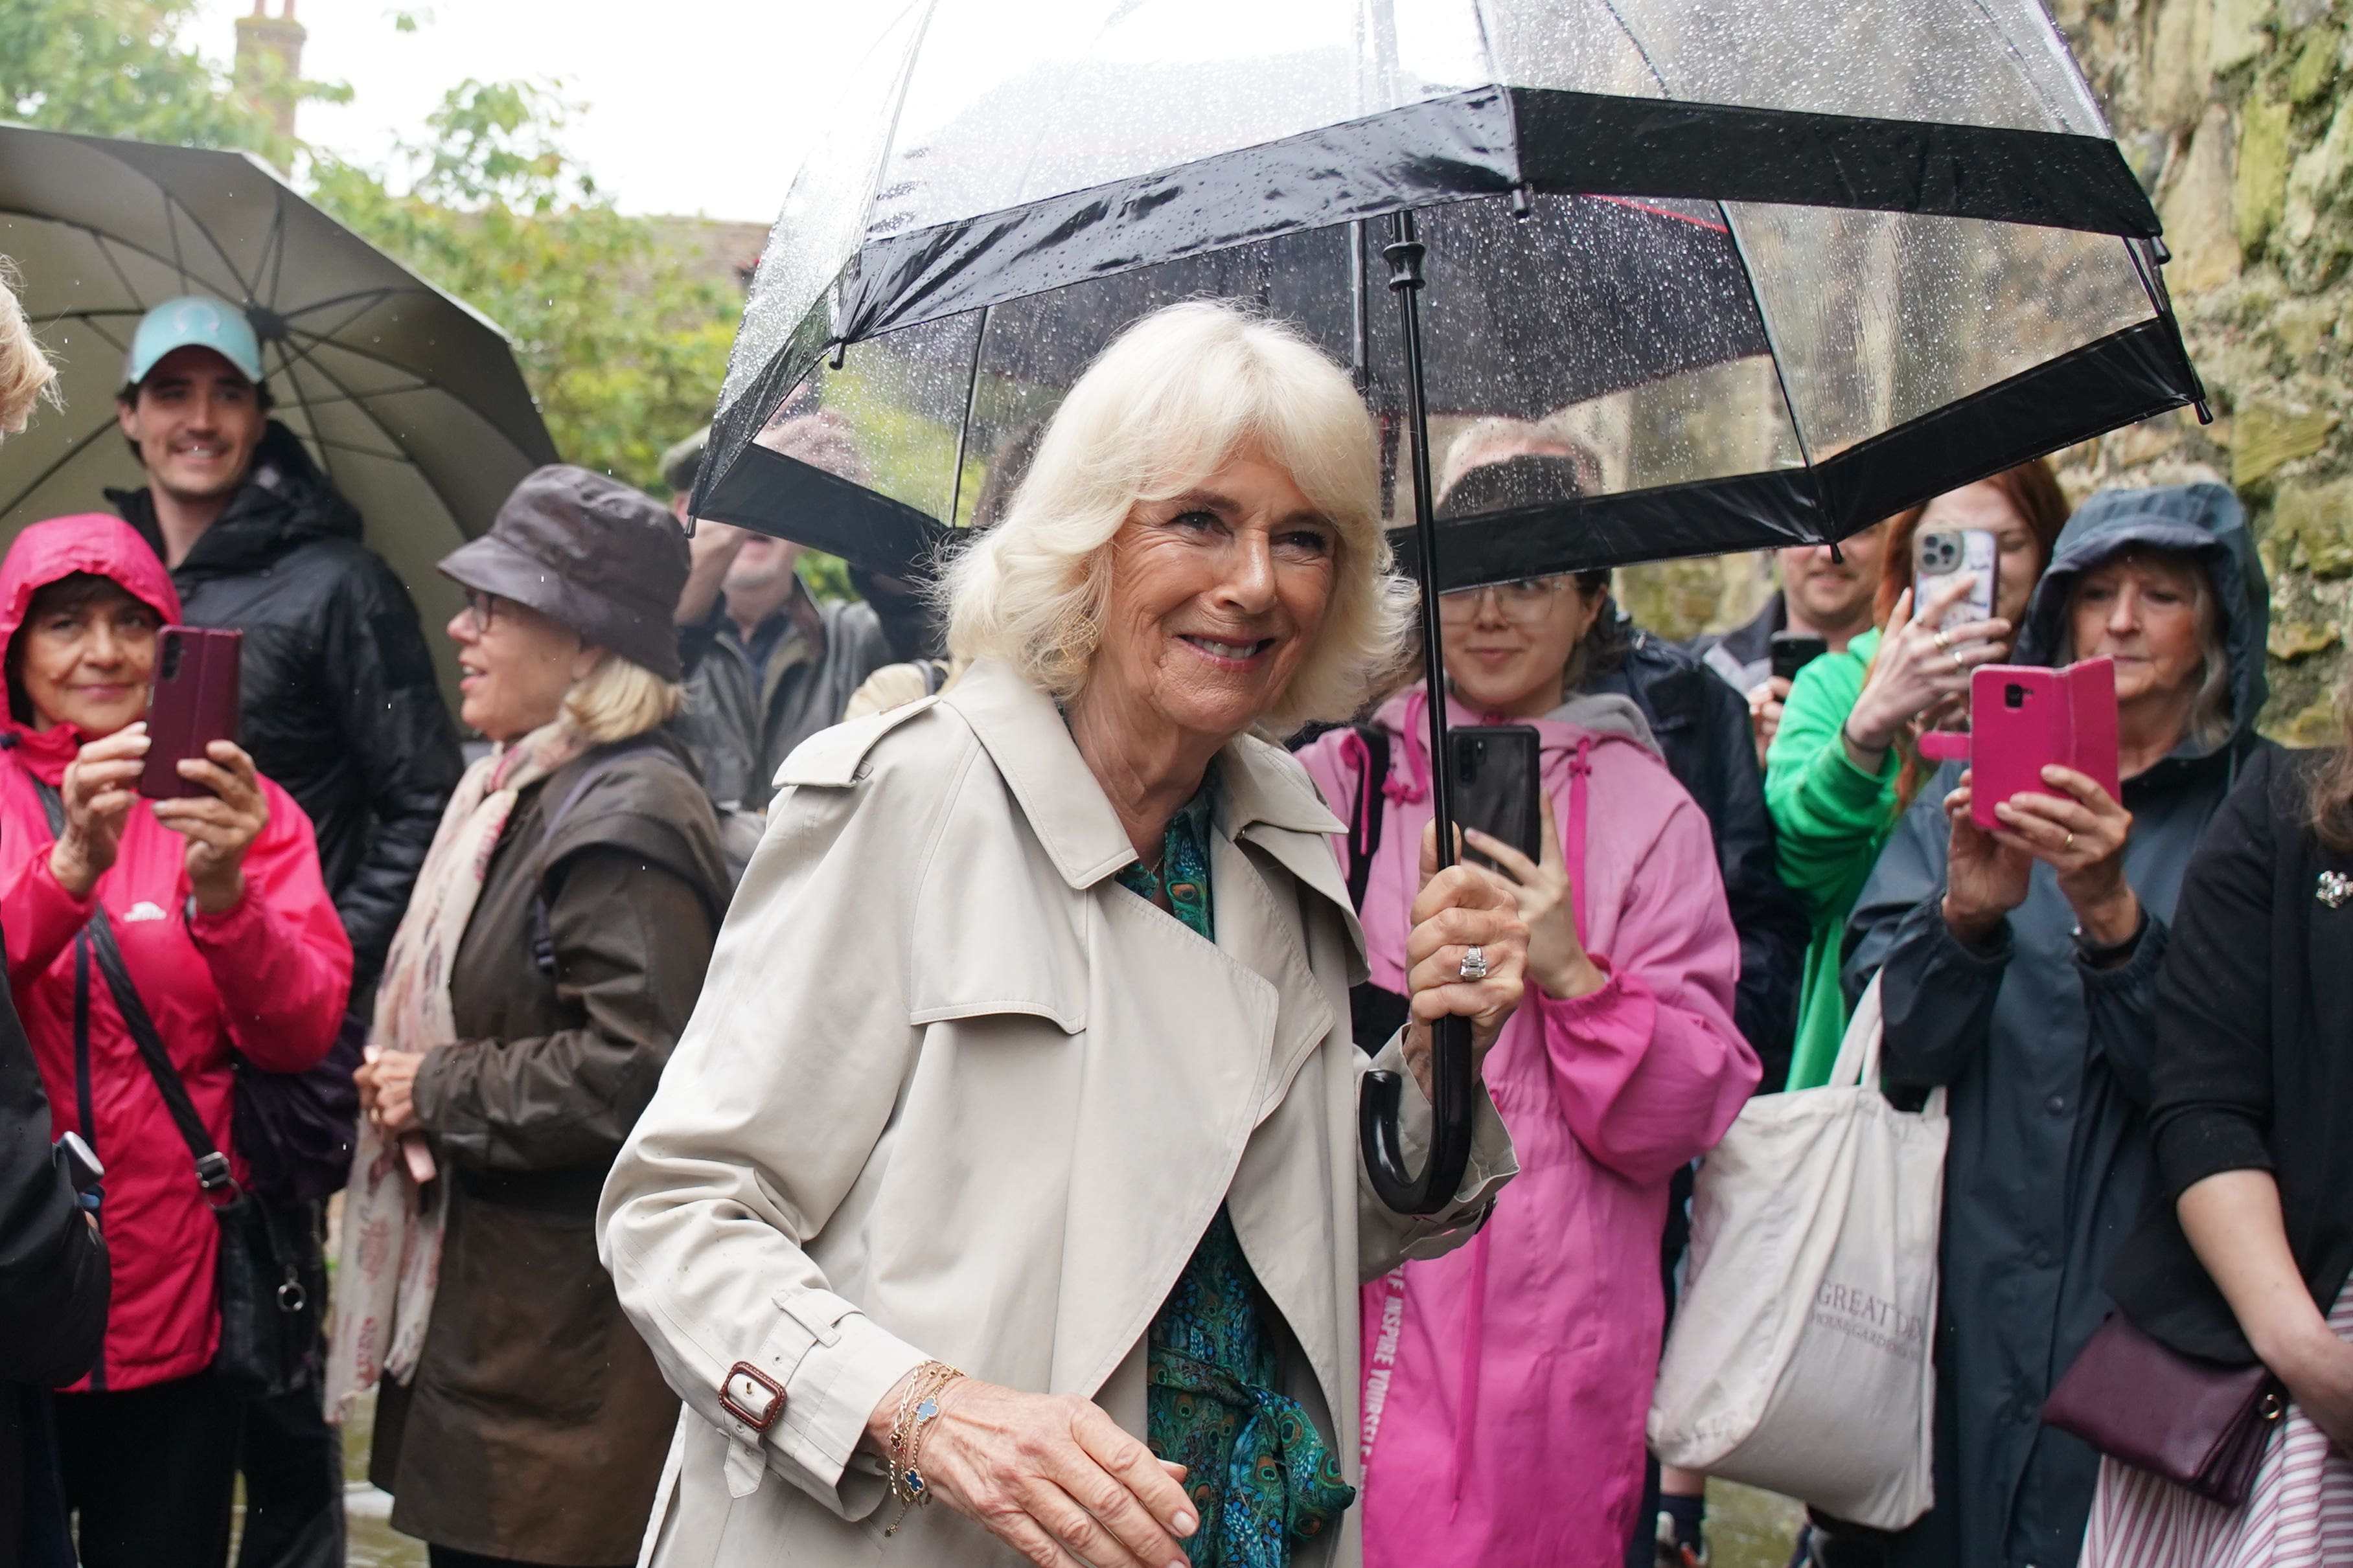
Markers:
(590, 553)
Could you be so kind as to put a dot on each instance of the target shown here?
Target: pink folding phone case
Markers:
(2025, 718)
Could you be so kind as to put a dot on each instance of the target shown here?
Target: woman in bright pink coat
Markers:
(1505, 1383)
(236, 949)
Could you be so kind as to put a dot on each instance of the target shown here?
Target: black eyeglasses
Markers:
(481, 608)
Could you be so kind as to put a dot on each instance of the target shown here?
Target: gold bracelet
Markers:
(919, 1407)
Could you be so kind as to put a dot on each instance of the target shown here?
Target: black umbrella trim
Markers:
(1606, 145)
(2115, 381)
(787, 499)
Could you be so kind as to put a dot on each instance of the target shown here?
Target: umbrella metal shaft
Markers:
(1451, 1088)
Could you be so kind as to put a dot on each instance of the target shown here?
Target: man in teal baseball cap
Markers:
(194, 408)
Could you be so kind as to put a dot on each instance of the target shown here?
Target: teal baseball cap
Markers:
(193, 321)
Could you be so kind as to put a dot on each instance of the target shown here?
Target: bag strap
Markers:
(1371, 813)
(543, 941)
(96, 941)
(1858, 1057)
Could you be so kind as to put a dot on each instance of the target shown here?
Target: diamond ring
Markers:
(1474, 963)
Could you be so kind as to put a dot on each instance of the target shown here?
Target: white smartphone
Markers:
(1940, 554)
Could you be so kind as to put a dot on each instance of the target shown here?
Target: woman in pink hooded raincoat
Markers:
(1505, 1383)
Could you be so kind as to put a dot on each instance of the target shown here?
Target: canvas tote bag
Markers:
(1800, 1360)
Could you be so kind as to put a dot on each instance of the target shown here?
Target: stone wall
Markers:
(2235, 115)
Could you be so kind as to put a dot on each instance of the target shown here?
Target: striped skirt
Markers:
(2299, 1515)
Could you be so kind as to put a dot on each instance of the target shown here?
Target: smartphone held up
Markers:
(1942, 555)
(191, 704)
(1496, 780)
(2025, 718)
(1790, 652)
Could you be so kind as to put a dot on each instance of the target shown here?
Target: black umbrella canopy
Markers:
(1769, 272)
(410, 400)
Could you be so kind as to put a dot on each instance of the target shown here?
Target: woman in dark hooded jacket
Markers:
(2019, 969)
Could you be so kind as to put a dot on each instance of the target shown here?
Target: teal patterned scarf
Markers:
(1256, 1468)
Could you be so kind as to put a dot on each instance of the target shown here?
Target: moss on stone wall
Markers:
(2234, 114)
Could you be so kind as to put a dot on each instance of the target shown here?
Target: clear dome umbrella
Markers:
(1622, 280)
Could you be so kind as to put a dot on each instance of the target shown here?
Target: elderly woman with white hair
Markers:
(1009, 1160)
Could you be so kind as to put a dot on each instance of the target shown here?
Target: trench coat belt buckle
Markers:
(751, 1395)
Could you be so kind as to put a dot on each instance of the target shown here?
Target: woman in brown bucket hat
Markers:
(550, 956)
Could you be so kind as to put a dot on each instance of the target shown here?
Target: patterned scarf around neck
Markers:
(392, 1226)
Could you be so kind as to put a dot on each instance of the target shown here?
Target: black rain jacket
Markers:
(340, 706)
(1701, 727)
(2047, 1062)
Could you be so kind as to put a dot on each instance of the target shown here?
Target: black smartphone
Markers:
(1792, 651)
(1496, 779)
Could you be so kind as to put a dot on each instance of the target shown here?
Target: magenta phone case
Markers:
(2023, 719)
(191, 704)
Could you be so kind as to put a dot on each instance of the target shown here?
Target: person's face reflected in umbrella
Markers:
(1217, 595)
(196, 420)
(1508, 646)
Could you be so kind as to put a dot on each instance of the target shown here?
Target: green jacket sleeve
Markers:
(1829, 817)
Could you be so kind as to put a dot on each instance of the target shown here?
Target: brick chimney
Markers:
(269, 61)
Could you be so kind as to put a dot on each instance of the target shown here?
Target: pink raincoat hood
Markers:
(89, 542)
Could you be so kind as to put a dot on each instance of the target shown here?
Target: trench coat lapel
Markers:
(1026, 738)
(1217, 1034)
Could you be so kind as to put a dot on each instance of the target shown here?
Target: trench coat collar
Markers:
(1262, 796)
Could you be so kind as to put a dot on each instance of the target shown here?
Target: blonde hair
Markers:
(25, 373)
(1173, 399)
(619, 699)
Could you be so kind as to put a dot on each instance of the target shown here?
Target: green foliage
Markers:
(623, 344)
(118, 68)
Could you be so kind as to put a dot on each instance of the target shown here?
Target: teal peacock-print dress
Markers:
(1257, 1471)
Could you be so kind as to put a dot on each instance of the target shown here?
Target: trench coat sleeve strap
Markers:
(631, 939)
(1936, 993)
(1649, 1070)
(2211, 1096)
(780, 1095)
(38, 917)
(2121, 1005)
(279, 957)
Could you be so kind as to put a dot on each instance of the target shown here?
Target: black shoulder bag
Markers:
(269, 1322)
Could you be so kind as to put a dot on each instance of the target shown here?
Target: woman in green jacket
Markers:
(1834, 775)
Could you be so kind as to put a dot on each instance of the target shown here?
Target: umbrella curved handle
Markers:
(1379, 1101)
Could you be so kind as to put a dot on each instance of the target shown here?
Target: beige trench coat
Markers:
(952, 1091)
